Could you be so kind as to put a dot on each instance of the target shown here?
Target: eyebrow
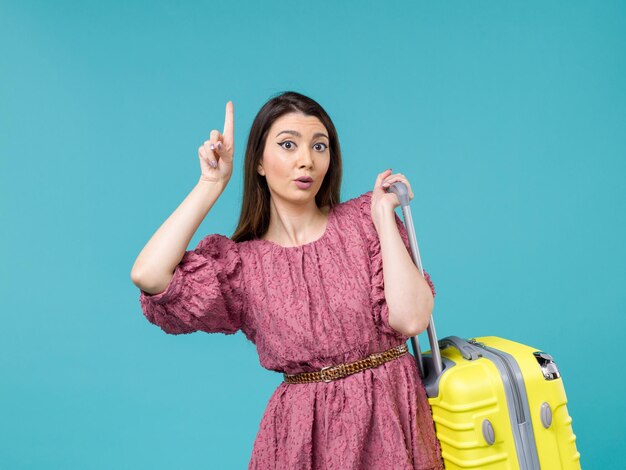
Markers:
(296, 133)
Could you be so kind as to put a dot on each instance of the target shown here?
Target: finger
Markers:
(408, 185)
(203, 154)
(398, 177)
(211, 155)
(390, 179)
(381, 177)
(215, 136)
(395, 177)
(229, 123)
(216, 148)
(216, 141)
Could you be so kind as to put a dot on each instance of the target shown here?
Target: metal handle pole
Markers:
(402, 192)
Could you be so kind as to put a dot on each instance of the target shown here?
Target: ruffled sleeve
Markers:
(379, 303)
(206, 292)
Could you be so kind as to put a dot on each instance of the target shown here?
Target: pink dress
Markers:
(304, 308)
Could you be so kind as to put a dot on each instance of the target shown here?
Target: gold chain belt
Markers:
(339, 371)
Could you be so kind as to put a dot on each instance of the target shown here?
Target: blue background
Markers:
(507, 117)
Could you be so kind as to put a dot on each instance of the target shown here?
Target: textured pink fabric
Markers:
(304, 308)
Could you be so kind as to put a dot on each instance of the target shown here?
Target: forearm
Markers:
(408, 295)
(155, 264)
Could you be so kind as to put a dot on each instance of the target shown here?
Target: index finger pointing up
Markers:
(229, 122)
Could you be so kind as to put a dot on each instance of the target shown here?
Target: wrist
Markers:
(383, 216)
(213, 185)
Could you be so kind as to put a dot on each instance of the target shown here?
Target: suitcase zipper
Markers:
(521, 417)
(517, 396)
(529, 459)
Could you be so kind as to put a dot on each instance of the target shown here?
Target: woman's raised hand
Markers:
(216, 154)
(384, 202)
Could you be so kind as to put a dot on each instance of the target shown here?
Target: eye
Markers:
(324, 146)
(283, 144)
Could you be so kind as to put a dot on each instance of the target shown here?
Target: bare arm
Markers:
(154, 267)
(408, 295)
(409, 298)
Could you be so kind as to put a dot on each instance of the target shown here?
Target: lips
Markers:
(304, 182)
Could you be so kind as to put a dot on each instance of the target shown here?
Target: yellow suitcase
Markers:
(497, 404)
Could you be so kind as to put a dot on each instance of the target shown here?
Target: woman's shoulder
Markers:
(355, 206)
(215, 243)
(220, 248)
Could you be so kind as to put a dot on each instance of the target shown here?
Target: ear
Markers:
(260, 170)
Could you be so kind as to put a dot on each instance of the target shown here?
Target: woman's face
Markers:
(297, 147)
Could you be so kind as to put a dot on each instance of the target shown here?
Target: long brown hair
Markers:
(254, 219)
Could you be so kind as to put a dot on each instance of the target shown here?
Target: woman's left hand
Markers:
(384, 202)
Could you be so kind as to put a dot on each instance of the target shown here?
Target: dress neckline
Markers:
(324, 235)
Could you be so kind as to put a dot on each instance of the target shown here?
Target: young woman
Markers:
(327, 292)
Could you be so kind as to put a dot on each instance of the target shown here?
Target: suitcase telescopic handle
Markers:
(400, 189)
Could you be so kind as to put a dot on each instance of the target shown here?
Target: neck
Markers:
(295, 224)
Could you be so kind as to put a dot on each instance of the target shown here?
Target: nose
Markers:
(305, 159)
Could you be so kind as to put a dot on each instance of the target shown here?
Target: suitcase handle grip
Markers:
(468, 352)
(400, 189)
